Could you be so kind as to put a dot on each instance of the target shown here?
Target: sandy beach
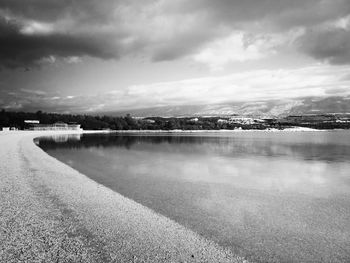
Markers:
(49, 212)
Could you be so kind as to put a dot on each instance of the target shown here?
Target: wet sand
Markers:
(49, 212)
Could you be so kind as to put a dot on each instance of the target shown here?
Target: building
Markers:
(148, 121)
(242, 120)
(31, 121)
(58, 126)
(193, 120)
(8, 129)
(222, 121)
(74, 126)
(29, 124)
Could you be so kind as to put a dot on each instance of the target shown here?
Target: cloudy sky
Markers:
(105, 55)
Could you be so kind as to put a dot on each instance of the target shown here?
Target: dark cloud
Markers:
(331, 45)
(278, 13)
(51, 10)
(334, 91)
(23, 50)
(34, 100)
(182, 45)
(41, 28)
(219, 18)
(159, 29)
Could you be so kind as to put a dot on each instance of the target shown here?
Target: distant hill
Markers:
(270, 108)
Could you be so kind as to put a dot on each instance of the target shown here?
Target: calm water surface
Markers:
(268, 196)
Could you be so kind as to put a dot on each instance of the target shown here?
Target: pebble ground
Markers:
(51, 213)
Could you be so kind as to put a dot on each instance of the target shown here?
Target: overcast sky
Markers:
(103, 55)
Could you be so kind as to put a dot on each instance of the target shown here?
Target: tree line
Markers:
(88, 122)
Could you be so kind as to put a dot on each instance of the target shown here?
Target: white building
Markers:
(31, 121)
(148, 120)
(242, 120)
(58, 126)
(222, 121)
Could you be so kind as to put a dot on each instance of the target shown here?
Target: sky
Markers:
(89, 56)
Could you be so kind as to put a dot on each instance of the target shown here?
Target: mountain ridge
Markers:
(265, 109)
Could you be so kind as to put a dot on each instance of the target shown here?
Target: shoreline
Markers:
(50, 212)
(64, 132)
(295, 129)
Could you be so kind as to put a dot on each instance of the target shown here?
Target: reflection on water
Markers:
(280, 197)
(60, 138)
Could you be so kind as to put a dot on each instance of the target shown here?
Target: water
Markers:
(271, 197)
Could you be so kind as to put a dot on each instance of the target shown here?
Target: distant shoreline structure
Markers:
(294, 129)
(52, 121)
(58, 126)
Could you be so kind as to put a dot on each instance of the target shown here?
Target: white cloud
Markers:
(13, 105)
(36, 28)
(72, 60)
(320, 80)
(47, 60)
(36, 92)
(315, 80)
(238, 47)
(343, 22)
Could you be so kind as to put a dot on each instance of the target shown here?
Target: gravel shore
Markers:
(49, 212)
